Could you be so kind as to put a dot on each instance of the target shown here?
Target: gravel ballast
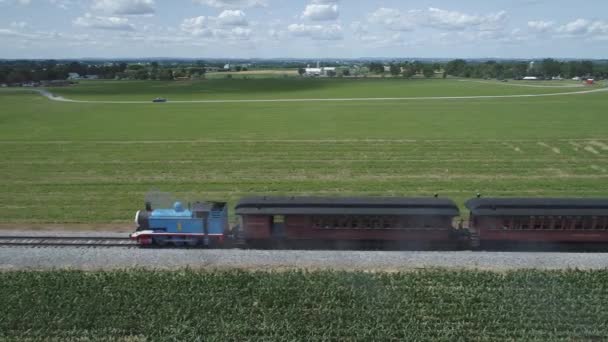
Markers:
(41, 258)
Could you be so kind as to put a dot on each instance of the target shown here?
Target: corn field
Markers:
(192, 305)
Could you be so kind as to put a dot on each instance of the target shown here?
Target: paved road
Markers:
(528, 85)
(12, 258)
(50, 96)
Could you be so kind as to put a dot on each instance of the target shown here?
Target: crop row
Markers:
(298, 305)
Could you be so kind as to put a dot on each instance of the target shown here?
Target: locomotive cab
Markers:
(203, 223)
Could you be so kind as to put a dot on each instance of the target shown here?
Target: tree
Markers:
(196, 71)
(15, 76)
(520, 69)
(331, 73)
(377, 68)
(346, 72)
(456, 67)
(550, 67)
(142, 74)
(238, 68)
(135, 67)
(428, 71)
(395, 69)
(408, 72)
(587, 68)
(165, 75)
(418, 66)
(301, 71)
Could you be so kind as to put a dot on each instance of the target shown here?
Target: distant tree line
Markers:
(34, 71)
(406, 69)
(15, 72)
(546, 68)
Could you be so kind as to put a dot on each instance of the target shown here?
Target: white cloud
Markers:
(104, 23)
(320, 12)
(579, 26)
(316, 32)
(232, 18)
(396, 20)
(584, 27)
(196, 26)
(359, 28)
(392, 19)
(233, 3)
(210, 27)
(457, 20)
(576, 28)
(10, 33)
(540, 25)
(18, 2)
(240, 33)
(124, 7)
(63, 4)
(19, 24)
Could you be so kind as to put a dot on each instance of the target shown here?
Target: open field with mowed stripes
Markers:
(93, 163)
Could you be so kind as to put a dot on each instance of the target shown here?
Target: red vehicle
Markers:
(276, 219)
(545, 220)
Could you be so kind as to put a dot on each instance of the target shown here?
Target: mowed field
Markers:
(93, 163)
(301, 88)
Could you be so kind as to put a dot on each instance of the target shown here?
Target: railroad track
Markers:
(66, 241)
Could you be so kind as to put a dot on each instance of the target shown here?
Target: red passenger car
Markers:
(391, 219)
(552, 220)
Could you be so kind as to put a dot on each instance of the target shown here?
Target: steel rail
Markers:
(66, 241)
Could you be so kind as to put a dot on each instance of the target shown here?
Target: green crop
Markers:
(297, 305)
(93, 163)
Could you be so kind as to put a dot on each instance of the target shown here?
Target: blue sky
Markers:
(303, 28)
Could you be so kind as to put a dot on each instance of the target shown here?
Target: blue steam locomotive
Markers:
(202, 223)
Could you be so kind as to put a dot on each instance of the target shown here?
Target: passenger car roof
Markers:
(538, 206)
(270, 205)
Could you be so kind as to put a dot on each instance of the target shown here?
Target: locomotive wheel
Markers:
(193, 242)
(474, 241)
(160, 240)
(178, 242)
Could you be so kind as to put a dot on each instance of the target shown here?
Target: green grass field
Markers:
(297, 88)
(93, 163)
(431, 305)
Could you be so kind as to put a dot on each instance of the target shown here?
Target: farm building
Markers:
(530, 78)
(316, 72)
